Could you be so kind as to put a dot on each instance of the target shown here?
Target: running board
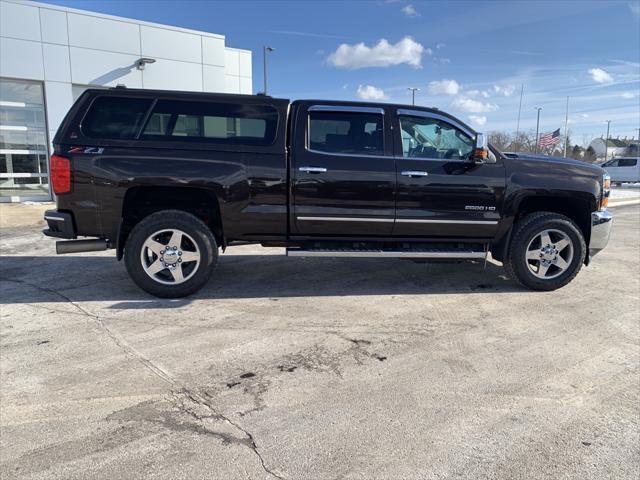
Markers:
(414, 253)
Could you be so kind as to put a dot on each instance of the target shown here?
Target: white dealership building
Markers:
(49, 55)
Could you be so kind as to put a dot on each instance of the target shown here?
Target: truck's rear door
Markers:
(342, 171)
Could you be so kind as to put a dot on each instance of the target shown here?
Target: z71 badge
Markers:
(93, 150)
(481, 208)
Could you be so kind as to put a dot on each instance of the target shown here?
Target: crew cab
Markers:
(168, 179)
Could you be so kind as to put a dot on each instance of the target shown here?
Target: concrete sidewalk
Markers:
(14, 215)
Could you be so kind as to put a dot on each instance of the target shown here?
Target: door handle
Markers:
(414, 173)
(313, 169)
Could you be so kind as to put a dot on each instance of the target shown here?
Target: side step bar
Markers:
(417, 253)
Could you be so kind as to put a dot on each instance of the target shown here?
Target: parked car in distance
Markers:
(168, 179)
(623, 169)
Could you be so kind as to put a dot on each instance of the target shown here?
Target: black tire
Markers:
(525, 231)
(198, 238)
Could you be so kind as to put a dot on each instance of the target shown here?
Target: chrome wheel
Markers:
(549, 254)
(170, 256)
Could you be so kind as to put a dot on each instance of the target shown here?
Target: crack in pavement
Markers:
(160, 373)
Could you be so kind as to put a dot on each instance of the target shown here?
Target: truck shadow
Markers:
(29, 279)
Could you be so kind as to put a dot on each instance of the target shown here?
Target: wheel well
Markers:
(576, 209)
(140, 202)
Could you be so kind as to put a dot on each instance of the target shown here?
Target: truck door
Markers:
(342, 171)
(442, 192)
(628, 169)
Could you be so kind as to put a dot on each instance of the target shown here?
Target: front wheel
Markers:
(546, 252)
(170, 254)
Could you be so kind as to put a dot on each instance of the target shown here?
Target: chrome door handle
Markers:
(414, 173)
(313, 169)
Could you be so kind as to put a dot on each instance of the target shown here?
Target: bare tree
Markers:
(525, 142)
(501, 140)
(590, 155)
(576, 152)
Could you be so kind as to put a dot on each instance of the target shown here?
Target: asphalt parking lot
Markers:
(318, 369)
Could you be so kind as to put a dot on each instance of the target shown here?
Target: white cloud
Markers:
(444, 87)
(585, 115)
(506, 90)
(628, 95)
(369, 92)
(410, 11)
(635, 8)
(600, 76)
(382, 54)
(475, 93)
(466, 104)
(478, 119)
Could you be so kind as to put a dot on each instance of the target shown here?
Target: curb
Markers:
(623, 203)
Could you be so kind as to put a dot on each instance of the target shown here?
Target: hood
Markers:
(553, 160)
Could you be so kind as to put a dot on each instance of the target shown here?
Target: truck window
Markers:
(175, 120)
(346, 132)
(424, 137)
(115, 117)
(627, 162)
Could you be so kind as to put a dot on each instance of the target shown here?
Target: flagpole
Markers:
(518, 123)
(566, 122)
(537, 129)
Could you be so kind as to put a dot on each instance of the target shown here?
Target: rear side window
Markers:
(115, 117)
(226, 123)
(346, 133)
(627, 162)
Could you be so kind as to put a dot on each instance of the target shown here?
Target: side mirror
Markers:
(481, 153)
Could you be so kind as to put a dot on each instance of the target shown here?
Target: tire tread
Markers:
(520, 236)
(170, 219)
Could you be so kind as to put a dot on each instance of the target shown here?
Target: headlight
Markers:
(606, 191)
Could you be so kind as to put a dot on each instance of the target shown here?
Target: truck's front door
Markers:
(442, 192)
(342, 172)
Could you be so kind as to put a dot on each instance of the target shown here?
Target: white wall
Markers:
(61, 47)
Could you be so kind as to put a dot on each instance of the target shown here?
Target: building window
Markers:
(23, 140)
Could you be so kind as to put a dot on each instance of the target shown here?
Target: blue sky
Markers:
(469, 58)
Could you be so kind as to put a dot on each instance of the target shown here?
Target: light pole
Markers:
(265, 49)
(566, 126)
(606, 141)
(537, 127)
(413, 94)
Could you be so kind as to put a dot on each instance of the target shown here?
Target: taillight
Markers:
(60, 174)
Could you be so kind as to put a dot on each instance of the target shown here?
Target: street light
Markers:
(265, 49)
(537, 127)
(413, 94)
(606, 141)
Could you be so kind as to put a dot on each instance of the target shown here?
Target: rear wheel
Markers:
(546, 252)
(170, 254)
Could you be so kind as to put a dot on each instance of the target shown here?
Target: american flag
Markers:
(549, 138)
